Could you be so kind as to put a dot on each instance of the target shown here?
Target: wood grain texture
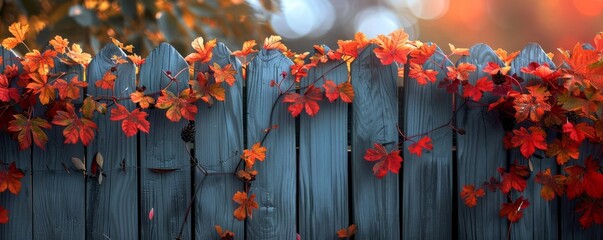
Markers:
(274, 187)
(480, 154)
(427, 187)
(112, 206)
(323, 161)
(58, 196)
(20, 206)
(375, 201)
(168, 193)
(218, 146)
(540, 218)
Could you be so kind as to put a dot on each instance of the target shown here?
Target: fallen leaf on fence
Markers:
(247, 204)
(470, 195)
(11, 179)
(418, 147)
(347, 232)
(223, 233)
(386, 161)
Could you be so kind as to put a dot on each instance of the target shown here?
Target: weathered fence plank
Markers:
(427, 187)
(167, 189)
(59, 188)
(274, 187)
(323, 160)
(112, 205)
(20, 206)
(375, 201)
(218, 146)
(539, 220)
(480, 154)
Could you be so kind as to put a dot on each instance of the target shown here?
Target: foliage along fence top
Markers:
(153, 148)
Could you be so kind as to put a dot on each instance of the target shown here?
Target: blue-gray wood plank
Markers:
(539, 220)
(275, 186)
(20, 206)
(375, 201)
(323, 160)
(58, 197)
(427, 186)
(168, 193)
(480, 154)
(112, 206)
(218, 146)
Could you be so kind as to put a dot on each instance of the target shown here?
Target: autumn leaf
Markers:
(119, 44)
(514, 211)
(581, 65)
(392, 48)
(39, 85)
(247, 174)
(584, 179)
(460, 72)
(11, 179)
(78, 56)
(141, 99)
(107, 82)
(458, 51)
(422, 76)
(29, 129)
(76, 129)
(247, 49)
(177, 107)
(224, 234)
(579, 131)
(69, 89)
(344, 90)
(417, 147)
(347, 232)
(132, 121)
(386, 161)
(226, 74)
(588, 103)
(505, 57)
(204, 51)
(514, 179)
(90, 105)
(59, 44)
(206, 91)
(493, 68)
(137, 60)
(532, 106)
(529, 141)
(564, 150)
(309, 101)
(6, 92)
(3, 215)
(542, 71)
(476, 92)
(41, 63)
(592, 211)
(422, 54)
(551, 185)
(470, 195)
(257, 152)
(274, 42)
(18, 31)
(299, 69)
(247, 204)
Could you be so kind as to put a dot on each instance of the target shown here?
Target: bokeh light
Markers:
(303, 18)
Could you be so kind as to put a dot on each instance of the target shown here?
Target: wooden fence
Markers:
(314, 180)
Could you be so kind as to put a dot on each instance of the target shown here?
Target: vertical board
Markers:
(427, 186)
(20, 206)
(323, 160)
(112, 206)
(274, 186)
(218, 146)
(375, 116)
(58, 196)
(480, 154)
(539, 220)
(168, 192)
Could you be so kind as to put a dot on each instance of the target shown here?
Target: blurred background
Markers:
(508, 24)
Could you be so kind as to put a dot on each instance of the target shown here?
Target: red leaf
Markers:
(28, 129)
(585, 179)
(204, 52)
(11, 179)
(177, 107)
(3, 215)
(417, 147)
(347, 232)
(514, 211)
(76, 129)
(206, 91)
(533, 105)
(515, 178)
(69, 89)
(344, 90)
(529, 141)
(151, 214)
(247, 49)
(309, 101)
(470, 195)
(579, 132)
(550, 184)
(476, 92)
(7, 93)
(107, 82)
(247, 204)
(592, 212)
(224, 74)
(392, 48)
(387, 161)
(543, 71)
(422, 54)
(564, 149)
(422, 76)
(132, 122)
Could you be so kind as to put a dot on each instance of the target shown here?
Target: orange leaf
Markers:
(40, 86)
(514, 179)
(247, 49)
(226, 74)
(76, 129)
(493, 68)
(247, 204)
(69, 90)
(11, 179)
(422, 54)
(257, 152)
(274, 42)
(461, 72)
(28, 129)
(132, 121)
(344, 90)
(309, 101)
(78, 56)
(141, 99)
(417, 147)
(470, 195)
(107, 82)
(35, 61)
(392, 48)
(224, 234)
(533, 105)
(3, 215)
(177, 107)
(117, 43)
(579, 132)
(207, 91)
(59, 44)
(422, 76)
(204, 52)
(529, 141)
(386, 161)
(564, 149)
(347, 232)
(137, 60)
(514, 211)
(458, 51)
(550, 184)
(18, 31)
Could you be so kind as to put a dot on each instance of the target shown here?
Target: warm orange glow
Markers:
(589, 7)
